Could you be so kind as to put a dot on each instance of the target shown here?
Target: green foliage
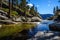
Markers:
(32, 10)
(27, 13)
(14, 13)
(27, 9)
(23, 5)
(5, 9)
(11, 29)
(54, 10)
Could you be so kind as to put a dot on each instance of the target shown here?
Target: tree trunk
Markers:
(17, 3)
(1, 4)
(9, 9)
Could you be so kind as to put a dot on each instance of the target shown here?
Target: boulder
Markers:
(7, 22)
(35, 19)
(29, 19)
(54, 26)
(0, 26)
(23, 19)
(3, 17)
(18, 19)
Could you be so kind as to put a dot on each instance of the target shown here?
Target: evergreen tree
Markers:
(54, 10)
(17, 2)
(32, 10)
(23, 5)
(56, 7)
(36, 11)
(14, 2)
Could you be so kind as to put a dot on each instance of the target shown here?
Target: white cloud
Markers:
(30, 5)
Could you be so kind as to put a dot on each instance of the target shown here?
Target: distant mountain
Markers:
(45, 16)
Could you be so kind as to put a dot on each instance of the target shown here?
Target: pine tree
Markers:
(36, 11)
(32, 10)
(57, 8)
(54, 10)
(15, 2)
(23, 4)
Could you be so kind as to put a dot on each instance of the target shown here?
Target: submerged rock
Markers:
(55, 26)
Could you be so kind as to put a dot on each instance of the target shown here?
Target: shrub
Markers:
(5, 9)
(14, 13)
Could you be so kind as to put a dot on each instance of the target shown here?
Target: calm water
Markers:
(41, 27)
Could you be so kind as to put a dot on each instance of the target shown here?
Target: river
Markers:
(42, 32)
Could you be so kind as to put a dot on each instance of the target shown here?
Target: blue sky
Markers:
(45, 6)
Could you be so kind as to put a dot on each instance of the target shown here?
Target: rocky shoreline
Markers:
(4, 18)
(46, 35)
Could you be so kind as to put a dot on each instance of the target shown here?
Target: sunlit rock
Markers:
(18, 19)
(56, 38)
(28, 19)
(39, 34)
(0, 26)
(49, 34)
(36, 19)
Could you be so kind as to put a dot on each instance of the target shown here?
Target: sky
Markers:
(45, 6)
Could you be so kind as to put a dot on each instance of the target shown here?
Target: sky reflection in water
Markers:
(43, 26)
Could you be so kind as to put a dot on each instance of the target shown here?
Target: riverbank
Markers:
(43, 32)
(10, 29)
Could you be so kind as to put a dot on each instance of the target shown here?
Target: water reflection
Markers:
(42, 31)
